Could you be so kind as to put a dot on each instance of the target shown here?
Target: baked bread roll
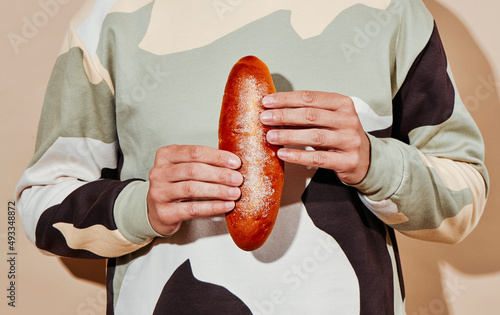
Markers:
(241, 132)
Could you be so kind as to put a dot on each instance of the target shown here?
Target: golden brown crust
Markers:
(241, 132)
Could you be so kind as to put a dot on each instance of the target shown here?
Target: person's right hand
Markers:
(190, 181)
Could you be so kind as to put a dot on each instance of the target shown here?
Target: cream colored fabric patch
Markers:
(97, 239)
(393, 219)
(91, 63)
(183, 25)
(452, 230)
(83, 13)
(101, 74)
(459, 176)
(448, 171)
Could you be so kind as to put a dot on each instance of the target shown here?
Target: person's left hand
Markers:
(324, 121)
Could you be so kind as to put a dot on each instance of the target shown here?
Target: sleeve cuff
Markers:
(386, 171)
(131, 213)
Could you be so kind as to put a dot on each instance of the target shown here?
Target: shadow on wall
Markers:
(93, 270)
(479, 254)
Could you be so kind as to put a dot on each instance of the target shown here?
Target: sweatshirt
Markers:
(134, 76)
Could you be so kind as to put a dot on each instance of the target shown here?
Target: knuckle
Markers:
(221, 191)
(222, 158)
(355, 161)
(214, 208)
(348, 104)
(319, 158)
(164, 212)
(191, 171)
(188, 189)
(154, 174)
(283, 137)
(223, 176)
(281, 98)
(195, 152)
(347, 163)
(351, 162)
(280, 116)
(308, 97)
(160, 153)
(356, 143)
(353, 143)
(154, 195)
(172, 147)
(192, 209)
(311, 115)
(318, 137)
(353, 120)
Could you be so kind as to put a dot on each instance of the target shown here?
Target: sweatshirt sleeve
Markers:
(428, 180)
(67, 195)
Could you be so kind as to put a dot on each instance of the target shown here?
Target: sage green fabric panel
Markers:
(387, 169)
(74, 107)
(156, 94)
(131, 214)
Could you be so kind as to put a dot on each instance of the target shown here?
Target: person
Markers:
(375, 140)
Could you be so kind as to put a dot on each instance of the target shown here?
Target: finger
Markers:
(197, 172)
(336, 161)
(195, 190)
(295, 99)
(182, 211)
(317, 138)
(174, 154)
(307, 117)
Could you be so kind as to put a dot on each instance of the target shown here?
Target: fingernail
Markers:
(234, 192)
(266, 116)
(272, 136)
(236, 178)
(233, 162)
(229, 205)
(268, 100)
(282, 154)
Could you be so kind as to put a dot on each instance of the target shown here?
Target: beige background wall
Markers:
(440, 279)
